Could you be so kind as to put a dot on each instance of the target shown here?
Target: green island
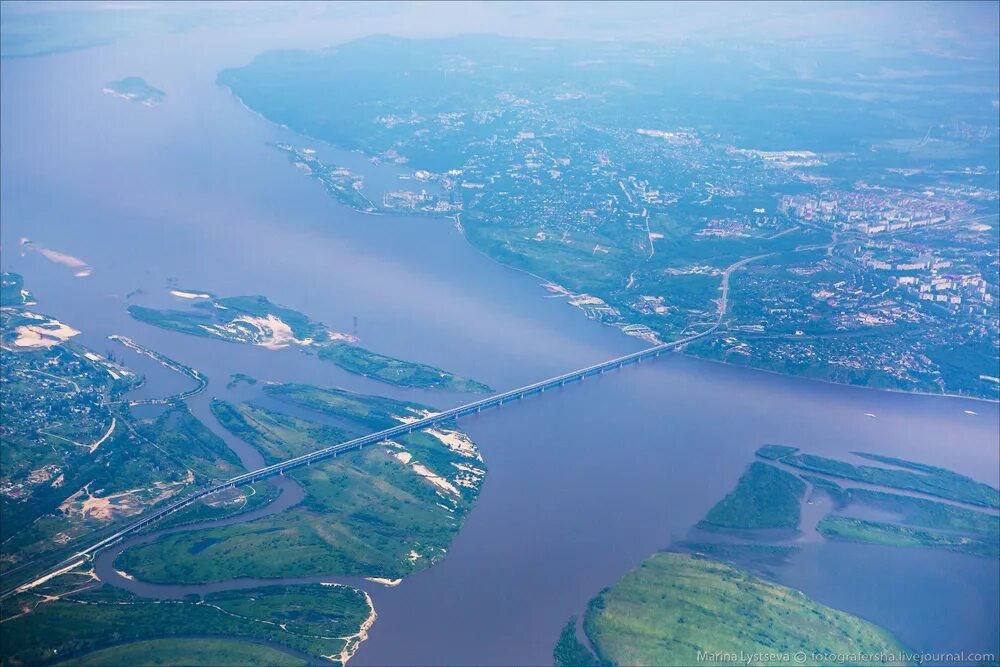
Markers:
(237, 379)
(382, 512)
(254, 320)
(889, 534)
(675, 608)
(929, 480)
(921, 523)
(83, 625)
(76, 460)
(914, 521)
(135, 89)
(764, 497)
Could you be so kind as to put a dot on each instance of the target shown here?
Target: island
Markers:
(135, 89)
(679, 609)
(713, 594)
(254, 320)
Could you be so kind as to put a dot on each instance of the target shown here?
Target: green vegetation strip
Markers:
(314, 619)
(876, 532)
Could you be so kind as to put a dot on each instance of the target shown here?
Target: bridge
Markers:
(494, 401)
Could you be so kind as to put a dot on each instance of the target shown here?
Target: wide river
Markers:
(583, 483)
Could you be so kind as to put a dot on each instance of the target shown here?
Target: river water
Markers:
(583, 483)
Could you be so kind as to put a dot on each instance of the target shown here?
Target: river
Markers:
(584, 482)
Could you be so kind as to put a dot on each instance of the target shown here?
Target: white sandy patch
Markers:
(556, 289)
(457, 442)
(53, 332)
(403, 457)
(347, 338)
(270, 332)
(469, 469)
(47, 577)
(409, 419)
(434, 478)
(352, 642)
(413, 556)
(586, 300)
(276, 334)
(82, 268)
(385, 582)
(189, 295)
(118, 505)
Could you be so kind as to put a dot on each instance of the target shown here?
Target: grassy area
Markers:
(764, 497)
(922, 478)
(395, 371)
(674, 606)
(384, 511)
(316, 619)
(277, 435)
(371, 412)
(877, 532)
(193, 652)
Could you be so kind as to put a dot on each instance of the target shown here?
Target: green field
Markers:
(373, 512)
(764, 497)
(317, 619)
(193, 652)
(674, 606)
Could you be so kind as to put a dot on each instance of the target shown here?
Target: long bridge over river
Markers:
(494, 401)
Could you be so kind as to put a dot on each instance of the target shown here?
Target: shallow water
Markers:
(583, 482)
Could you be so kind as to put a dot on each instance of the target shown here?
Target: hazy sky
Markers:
(960, 28)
